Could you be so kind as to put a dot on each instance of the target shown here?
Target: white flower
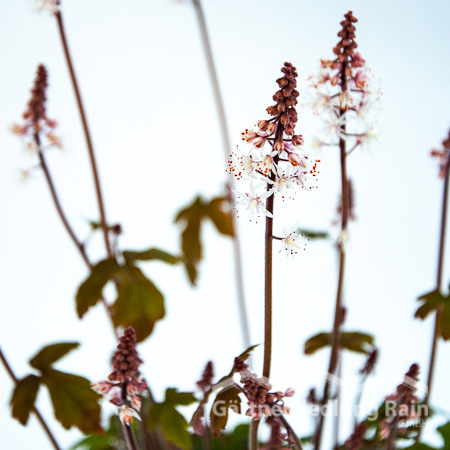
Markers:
(292, 242)
(284, 181)
(51, 6)
(253, 203)
(126, 414)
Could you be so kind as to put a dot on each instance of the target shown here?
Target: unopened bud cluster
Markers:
(37, 125)
(405, 401)
(261, 401)
(343, 97)
(123, 386)
(275, 159)
(444, 156)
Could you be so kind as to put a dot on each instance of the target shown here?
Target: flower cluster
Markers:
(261, 401)
(356, 440)
(36, 123)
(205, 381)
(444, 156)
(275, 158)
(124, 386)
(51, 6)
(342, 93)
(405, 402)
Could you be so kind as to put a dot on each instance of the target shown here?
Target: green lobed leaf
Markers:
(139, 304)
(444, 431)
(311, 234)
(173, 424)
(51, 353)
(444, 322)
(74, 402)
(431, 301)
(354, 341)
(234, 440)
(174, 427)
(174, 397)
(197, 418)
(420, 446)
(24, 397)
(246, 354)
(90, 291)
(357, 342)
(149, 255)
(225, 400)
(316, 343)
(106, 441)
(219, 212)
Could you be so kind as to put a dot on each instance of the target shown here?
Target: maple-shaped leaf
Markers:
(191, 218)
(139, 304)
(173, 424)
(74, 402)
(227, 399)
(354, 341)
(90, 291)
(218, 210)
(51, 353)
(149, 255)
(435, 301)
(24, 397)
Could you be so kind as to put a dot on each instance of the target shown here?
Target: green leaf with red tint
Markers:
(139, 304)
(51, 353)
(90, 291)
(23, 398)
(74, 402)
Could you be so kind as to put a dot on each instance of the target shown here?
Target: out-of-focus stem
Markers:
(336, 334)
(440, 266)
(358, 397)
(253, 435)
(36, 411)
(78, 244)
(130, 440)
(337, 413)
(227, 148)
(292, 434)
(87, 134)
(268, 247)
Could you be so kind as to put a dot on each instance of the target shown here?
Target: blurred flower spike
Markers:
(342, 95)
(275, 157)
(444, 156)
(124, 386)
(50, 6)
(36, 124)
(261, 401)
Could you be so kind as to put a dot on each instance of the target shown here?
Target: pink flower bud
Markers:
(102, 387)
(136, 402)
(360, 80)
(289, 392)
(126, 415)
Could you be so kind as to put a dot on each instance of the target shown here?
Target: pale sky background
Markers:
(146, 88)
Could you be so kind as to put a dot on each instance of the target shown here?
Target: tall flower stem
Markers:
(87, 134)
(78, 244)
(36, 411)
(336, 333)
(440, 266)
(226, 147)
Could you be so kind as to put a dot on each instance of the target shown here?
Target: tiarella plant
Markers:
(271, 164)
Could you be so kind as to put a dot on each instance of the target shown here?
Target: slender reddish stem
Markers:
(336, 333)
(36, 411)
(226, 147)
(78, 244)
(440, 266)
(87, 134)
